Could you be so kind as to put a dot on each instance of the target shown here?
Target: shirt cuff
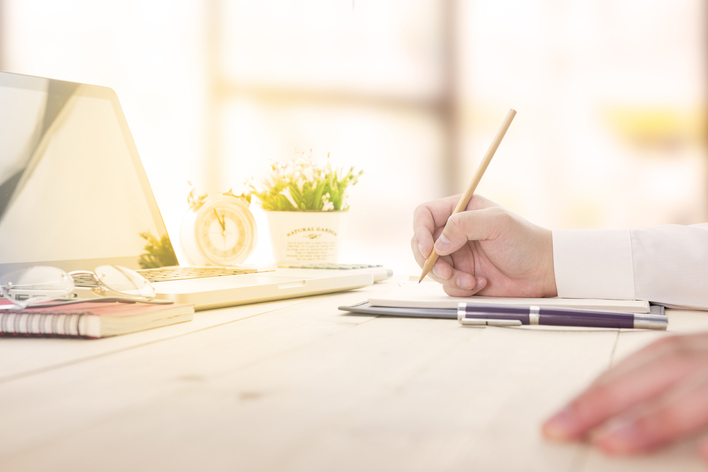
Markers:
(592, 263)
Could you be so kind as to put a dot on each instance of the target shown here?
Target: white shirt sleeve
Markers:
(666, 265)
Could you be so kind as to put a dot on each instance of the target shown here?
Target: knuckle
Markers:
(461, 222)
(421, 209)
(590, 405)
(502, 215)
(499, 220)
(455, 223)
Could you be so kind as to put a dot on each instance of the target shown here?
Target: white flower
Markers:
(328, 206)
(286, 193)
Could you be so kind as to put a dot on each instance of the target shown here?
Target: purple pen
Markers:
(513, 315)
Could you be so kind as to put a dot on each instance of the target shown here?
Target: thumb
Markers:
(476, 225)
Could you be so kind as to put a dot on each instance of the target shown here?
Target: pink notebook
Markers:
(91, 319)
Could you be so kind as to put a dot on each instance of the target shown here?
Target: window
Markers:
(610, 95)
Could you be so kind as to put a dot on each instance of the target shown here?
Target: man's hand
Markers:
(484, 250)
(655, 396)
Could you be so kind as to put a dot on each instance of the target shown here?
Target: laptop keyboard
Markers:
(165, 274)
(330, 266)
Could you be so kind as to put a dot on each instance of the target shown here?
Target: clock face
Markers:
(225, 232)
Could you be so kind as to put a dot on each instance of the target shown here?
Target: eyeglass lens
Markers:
(36, 283)
(123, 280)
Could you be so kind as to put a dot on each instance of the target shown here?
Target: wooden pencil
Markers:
(467, 196)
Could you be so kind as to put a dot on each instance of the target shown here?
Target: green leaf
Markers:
(158, 253)
(310, 195)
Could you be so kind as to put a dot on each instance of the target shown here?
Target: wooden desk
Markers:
(298, 386)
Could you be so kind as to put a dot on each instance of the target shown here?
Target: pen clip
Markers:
(488, 322)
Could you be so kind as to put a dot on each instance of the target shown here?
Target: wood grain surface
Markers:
(297, 385)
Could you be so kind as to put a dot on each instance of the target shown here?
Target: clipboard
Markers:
(364, 308)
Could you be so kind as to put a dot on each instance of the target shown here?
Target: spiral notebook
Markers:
(91, 319)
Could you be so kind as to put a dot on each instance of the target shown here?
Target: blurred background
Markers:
(611, 96)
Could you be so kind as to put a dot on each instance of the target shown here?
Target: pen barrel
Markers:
(615, 321)
(494, 312)
(550, 316)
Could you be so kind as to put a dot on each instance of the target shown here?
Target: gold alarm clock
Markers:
(218, 230)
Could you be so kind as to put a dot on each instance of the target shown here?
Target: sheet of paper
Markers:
(431, 295)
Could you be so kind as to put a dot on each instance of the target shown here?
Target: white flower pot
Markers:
(306, 236)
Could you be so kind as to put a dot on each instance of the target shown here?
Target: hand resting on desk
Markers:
(655, 396)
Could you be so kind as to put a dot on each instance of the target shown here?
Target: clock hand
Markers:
(220, 220)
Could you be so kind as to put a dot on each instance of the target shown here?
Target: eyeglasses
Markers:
(41, 284)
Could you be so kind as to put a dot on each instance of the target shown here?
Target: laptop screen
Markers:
(73, 193)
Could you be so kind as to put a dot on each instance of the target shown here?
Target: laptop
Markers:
(74, 195)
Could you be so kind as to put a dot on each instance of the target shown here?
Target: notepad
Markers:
(431, 295)
(91, 319)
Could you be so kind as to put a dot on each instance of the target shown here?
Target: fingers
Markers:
(656, 350)
(655, 396)
(459, 289)
(467, 226)
(685, 412)
(426, 218)
(422, 243)
(419, 254)
(605, 400)
(433, 215)
(456, 283)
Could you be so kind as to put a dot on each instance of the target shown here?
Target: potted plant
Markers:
(306, 207)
